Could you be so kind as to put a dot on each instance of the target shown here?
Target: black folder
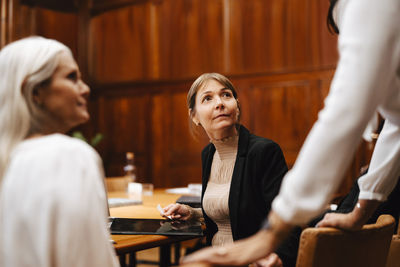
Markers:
(127, 226)
(192, 201)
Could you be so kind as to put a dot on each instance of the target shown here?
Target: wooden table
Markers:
(128, 244)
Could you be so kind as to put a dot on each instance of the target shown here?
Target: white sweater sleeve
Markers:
(384, 168)
(369, 48)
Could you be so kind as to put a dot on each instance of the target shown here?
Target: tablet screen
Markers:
(128, 226)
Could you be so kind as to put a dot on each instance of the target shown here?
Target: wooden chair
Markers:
(393, 259)
(330, 247)
(394, 250)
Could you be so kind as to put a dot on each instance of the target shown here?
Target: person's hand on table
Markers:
(177, 212)
(272, 260)
(248, 250)
(238, 253)
(351, 221)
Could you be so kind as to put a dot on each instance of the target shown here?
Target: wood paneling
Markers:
(280, 107)
(57, 25)
(143, 57)
(123, 121)
(181, 39)
(16, 21)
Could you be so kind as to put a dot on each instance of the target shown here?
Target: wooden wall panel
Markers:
(283, 115)
(123, 52)
(256, 36)
(280, 107)
(57, 25)
(154, 43)
(151, 42)
(283, 108)
(125, 129)
(16, 21)
(327, 46)
(143, 58)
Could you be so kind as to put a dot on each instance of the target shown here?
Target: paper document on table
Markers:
(119, 202)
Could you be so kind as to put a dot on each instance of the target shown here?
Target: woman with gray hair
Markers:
(53, 208)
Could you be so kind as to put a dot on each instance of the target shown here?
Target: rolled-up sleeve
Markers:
(384, 168)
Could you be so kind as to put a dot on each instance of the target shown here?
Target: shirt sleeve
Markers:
(369, 57)
(384, 168)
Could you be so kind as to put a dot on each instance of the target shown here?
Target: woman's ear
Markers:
(196, 121)
(237, 110)
(193, 117)
(37, 96)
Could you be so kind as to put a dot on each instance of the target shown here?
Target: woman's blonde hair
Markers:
(197, 85)
(25, 65)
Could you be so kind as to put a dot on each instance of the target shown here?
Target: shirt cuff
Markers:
(372, 196)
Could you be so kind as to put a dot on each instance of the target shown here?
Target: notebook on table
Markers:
(128, 226)
(193, 201)
(120, 202)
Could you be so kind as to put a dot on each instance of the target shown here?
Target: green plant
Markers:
(94, 141)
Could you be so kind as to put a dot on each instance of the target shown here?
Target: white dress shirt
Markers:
(53, 209)
(367, 79)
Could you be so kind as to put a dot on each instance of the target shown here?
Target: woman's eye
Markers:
(206, 98)
(227, 94)
(72, 76)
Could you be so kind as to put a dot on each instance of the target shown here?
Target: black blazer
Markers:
(256, 180)
(257, 175)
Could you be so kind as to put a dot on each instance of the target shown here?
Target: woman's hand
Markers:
(178, 212)
(238, 253)
(351, 221)
(343, 221)
(272, 260)
(248, 250)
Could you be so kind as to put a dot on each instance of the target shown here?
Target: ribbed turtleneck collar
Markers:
(226, 148)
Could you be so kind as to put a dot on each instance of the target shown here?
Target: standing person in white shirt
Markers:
(367, 80)
(53, 209)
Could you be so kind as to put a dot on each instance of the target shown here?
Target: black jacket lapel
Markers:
(237, 178)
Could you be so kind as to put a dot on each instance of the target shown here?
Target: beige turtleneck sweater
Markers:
(215, 201)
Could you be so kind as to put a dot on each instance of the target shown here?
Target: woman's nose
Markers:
(219, 104)
(84, 88)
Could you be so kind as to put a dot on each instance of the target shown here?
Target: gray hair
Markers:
(25, 65)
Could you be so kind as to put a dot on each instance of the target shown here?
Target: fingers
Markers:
(176, 211)
(231, 255)
(272, 260)
(337, 220)
(327, 221)
(207, 255)
(170, 207)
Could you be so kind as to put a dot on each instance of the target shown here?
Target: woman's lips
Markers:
(221, 115)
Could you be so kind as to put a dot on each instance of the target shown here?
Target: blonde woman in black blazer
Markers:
(242, 173)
